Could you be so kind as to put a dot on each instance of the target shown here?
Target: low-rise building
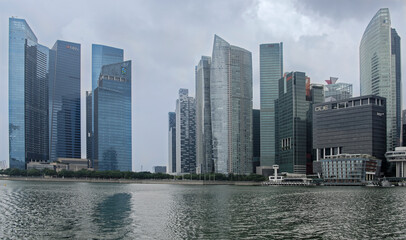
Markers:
(399, 158)
(159, 169)
(350, 169)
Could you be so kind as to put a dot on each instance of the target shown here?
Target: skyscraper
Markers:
(89, 121)
(101, 55)
(28, 96)
(256, 138)
(204, 160)
(64, 101)
(380, 70)
(112, 122)
(171, 142)
(231, 107)
(293, 121)
(270, 71)
(185, 133)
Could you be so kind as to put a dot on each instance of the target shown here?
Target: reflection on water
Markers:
(131, 211)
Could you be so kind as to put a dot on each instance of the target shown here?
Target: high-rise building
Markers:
(64, 101)
(204, 159)
(185, 133)
(270, 71)
(293, 121)
(231, 108)
(89, 121)
(28, 96)
(172, 142)
(256, 138)
(350, 126)
(380, 70)
(101, 55)
(112, 122)
(404, 128)
(334, 91)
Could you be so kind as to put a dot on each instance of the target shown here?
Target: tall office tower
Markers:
(101, 55)
(270, 71)
(204, 160)
(292, 120)
(28, 96)
(315, 96)
(112, 118)
(256, 138)
(380, 70)
(89, 121)
(172, 143)
(334, 91)
(231, 108)
(185, 133)
(64, 100)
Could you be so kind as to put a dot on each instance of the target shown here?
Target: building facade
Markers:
(270, 71)
(89, 121)
(172, 142)
(101, 55)
(28, 96)
(64, 101)
(398, 157)
(112, 122)
(231, 108)
(204, 159)
(380, 70)
(256, 138)
(159, 169)
(293, 121)
(334, 91)
(351, 126)
(185, 133)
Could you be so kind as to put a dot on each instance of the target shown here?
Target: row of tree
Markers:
(84, 173)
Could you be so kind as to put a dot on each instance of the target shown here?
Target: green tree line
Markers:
(84, 173)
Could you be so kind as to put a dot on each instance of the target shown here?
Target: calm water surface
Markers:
(46, 210)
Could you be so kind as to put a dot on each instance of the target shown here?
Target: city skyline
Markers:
(334, 47)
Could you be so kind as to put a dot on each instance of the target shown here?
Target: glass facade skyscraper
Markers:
(185, 133)
(270, 71)
(231, 108)
(112, 122)
(380, 70)
(204, 160)
(334, 91)
(89, 121)
(64, 101)
(101, 55)
(172, 142)
(28, 96)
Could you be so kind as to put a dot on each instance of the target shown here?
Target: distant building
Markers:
(398, 157)
(345, 169)
(380, 71)
(89, 124)
(231, 108)
(270, 71)
(159, 169)
(172, 142)
(334, 91)
(112, 118)
(64, 100)
(351, 126)
(256, 138)
(185, 133)
(204, 158)
(3, 164)
(293, 121)
(404, 128)
(70, 164)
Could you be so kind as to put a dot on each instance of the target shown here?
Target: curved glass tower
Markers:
(378, 70)
(231, 108)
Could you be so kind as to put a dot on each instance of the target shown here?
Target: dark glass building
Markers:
(64, 101)
(256, 138)
(28, 96)
(293, 121)
(89, 121)
(350, 126)
(172, 142)
(112, 122)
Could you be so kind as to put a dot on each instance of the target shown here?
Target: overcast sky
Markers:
(165, 40)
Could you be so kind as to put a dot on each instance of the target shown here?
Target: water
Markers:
(47, 210)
